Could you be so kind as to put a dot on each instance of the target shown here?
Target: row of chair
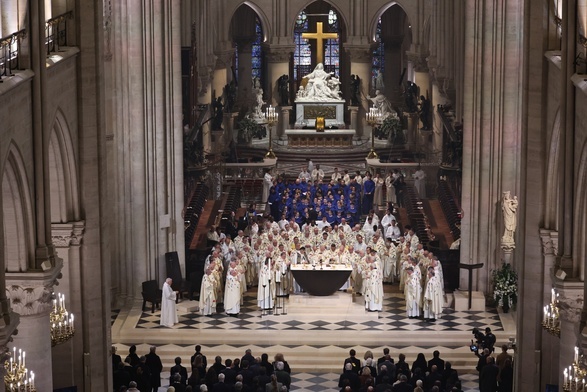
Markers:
(416, 215)
(450, 207)
(194, 211)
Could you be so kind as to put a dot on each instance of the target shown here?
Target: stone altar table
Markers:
(308, 138)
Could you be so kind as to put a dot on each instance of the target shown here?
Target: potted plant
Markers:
(249, 129)
(505, 287)
(391, 129)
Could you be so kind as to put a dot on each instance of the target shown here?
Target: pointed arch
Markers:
(553, 180)
(340, 14)
(265, 25)
(63, 178)
(17, 217)
(381, 11)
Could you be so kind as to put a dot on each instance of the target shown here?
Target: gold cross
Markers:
(319, 36)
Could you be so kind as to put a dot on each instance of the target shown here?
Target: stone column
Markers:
(277, 65)
(31, 296)
(205, 76)
(412, 131)
(229, 131)
(221, 72)
(360, 56)
(245, 80)
(67, 238)
(354, 111)
(283, 122)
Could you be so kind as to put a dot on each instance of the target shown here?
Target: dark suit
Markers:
(352, 378)
(156, 367)
(402, 387)
(488, 378)
(229, 375)
(283, 377)
(353, 361)
(222, 387)
(438, 362)
(183, 372)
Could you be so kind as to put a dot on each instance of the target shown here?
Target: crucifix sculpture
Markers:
(319, 36)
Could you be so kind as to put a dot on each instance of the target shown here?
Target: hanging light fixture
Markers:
(18, 377)
(62, 328)
(574, 375)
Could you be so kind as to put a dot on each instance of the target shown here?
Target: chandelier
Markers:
(62, 328)
(18, 377)
(550, 318)
(574, 375)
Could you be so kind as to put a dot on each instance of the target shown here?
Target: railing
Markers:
(10, 53)
(56, 32)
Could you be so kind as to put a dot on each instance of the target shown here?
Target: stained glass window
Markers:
(331, 55)
(257, 53)
(378, 64)
(303, 52)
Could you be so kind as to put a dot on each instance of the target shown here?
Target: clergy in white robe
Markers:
(168, 311)
(433, 299)
(208, 294)
(420, 182)
(232, 291)
(412, 293)
(266, 289)
(373, 287)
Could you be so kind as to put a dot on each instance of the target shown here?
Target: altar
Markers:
(309, 138)
(308, 111)
(321, 280)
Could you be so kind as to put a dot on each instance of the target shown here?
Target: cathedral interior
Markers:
(116, 114)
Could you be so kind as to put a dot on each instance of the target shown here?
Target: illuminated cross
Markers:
(319, 36)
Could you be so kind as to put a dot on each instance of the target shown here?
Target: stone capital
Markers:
(64, 235)
(359, 53)
(546, 241)
(31, 293)
(278, 53)
(570, 300)
(223, 58)
(77, 234)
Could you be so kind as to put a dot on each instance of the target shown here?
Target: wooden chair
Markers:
(151, 293)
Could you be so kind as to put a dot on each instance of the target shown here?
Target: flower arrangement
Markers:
(391, 129)
(249, 129)
(505, 285)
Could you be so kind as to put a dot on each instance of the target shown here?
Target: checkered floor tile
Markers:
(392, 317)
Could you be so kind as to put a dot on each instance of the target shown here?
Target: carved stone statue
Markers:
(218, 108)
(355, 90)
(382, 103)
(283, 87)
(320, 86)
(509, 206)
(258, 109)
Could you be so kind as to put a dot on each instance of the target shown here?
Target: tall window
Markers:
(303, 52)
(257, 54)
(331, 55)
(378, 64)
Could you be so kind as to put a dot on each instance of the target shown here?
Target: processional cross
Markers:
(319, 36)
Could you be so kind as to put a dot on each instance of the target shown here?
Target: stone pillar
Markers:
(31, 296)
(360, 56)
(221, 72)
(67, 238)
(283, 122)
(229, 131)
(412, 131)
(277, 65)
(354, 111)
(489, 146)
(245, 80)
(205, 76)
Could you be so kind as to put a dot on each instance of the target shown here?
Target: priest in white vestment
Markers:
(373, 287)
(208, 294)
(266, 289)
(168, 311)
(232, 291)
(412, 293)
(433, 299)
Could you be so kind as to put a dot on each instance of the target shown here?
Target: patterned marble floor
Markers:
(315, 334)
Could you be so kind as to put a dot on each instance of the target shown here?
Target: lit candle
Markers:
(72, 322)
(33, 380)
(566, 376)
(23, 359)
(576, 354)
